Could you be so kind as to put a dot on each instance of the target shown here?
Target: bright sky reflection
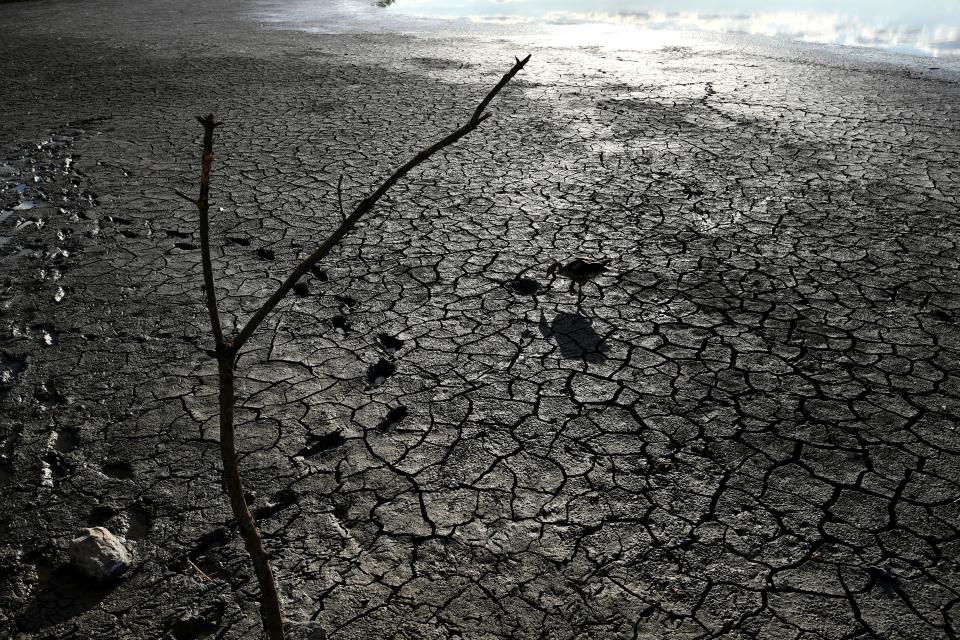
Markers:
(919, 27)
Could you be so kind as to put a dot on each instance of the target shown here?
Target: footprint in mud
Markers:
(319, 444)
(206, 556)
(340, 323)
(185, 246)
(393, 417)
(11, 367)
(319, 273)
(265, 254)
(301, 289)
(101, 515)
(139, 522)
(65, 441)
(53, 466)
(390, 344)
(346, 301)
(196, 626)
(277, 503)
(378, 373)
(8, 449)
(117, 470)
(54, 463)
(48, 394)
(132, 523)
(942, 316)
(9, 446)
(213, 539)
(48, 335)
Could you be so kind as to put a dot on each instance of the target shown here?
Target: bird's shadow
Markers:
(576, 337)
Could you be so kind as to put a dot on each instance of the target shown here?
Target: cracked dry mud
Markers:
(749, 429)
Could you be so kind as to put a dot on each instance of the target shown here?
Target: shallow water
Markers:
(928, 28)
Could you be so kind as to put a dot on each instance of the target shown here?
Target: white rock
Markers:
(99, 554)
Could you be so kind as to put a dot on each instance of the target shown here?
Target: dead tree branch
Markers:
(227, 348)
(271, 611)
(203, 206)
(366, 205)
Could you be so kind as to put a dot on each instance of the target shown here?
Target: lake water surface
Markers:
(929, 28)
(920, 27)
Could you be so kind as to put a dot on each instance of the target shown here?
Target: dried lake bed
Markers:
(748, 429)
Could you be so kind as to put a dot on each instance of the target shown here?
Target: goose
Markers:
(579, 270)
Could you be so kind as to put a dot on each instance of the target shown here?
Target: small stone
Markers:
(99, 554)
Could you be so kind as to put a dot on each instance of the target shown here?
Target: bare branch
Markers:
(186, 197)
(271, 609)
(203, 205)
(366, 205)
(507, 77)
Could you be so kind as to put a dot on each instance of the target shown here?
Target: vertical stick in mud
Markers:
(226, 351)
(269, 599)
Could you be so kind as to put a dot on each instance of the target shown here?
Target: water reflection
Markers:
(923, 27)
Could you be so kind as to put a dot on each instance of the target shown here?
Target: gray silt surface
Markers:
(749, 431)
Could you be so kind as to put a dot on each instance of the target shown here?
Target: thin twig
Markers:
(507, 77)
(200, 571)
(186, 197)
(343, 216)
(366, 205)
